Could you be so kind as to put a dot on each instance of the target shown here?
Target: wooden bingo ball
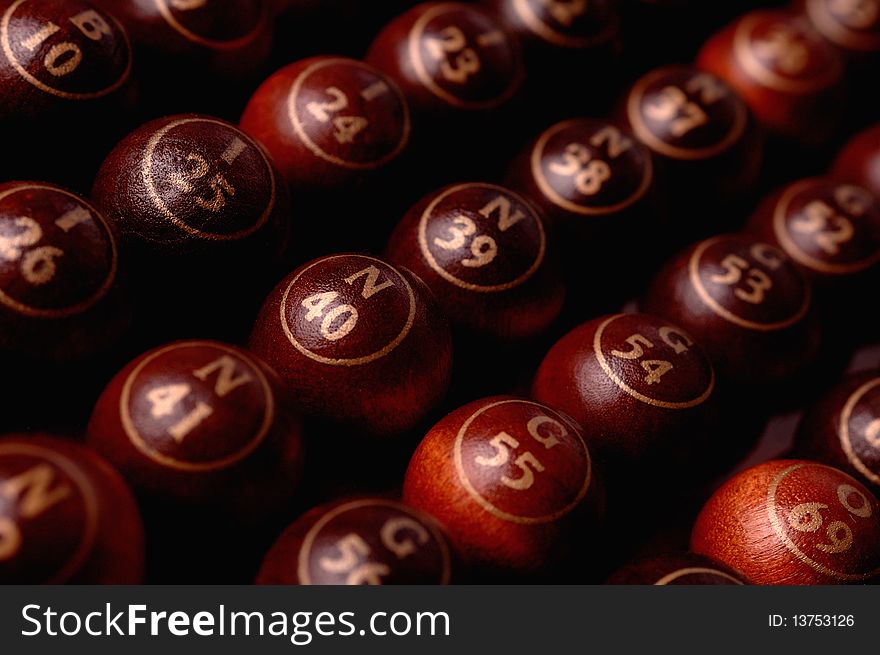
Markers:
(360, 541)
(64, 68)
(831, 230)
(329, 122)
(222, 40)
(674, 569)
(450, 58)
(843, 428)
(859, 160)
(745, 302)
(58, 55)
(197, 202)
(707, 145)
(792, 522)
(511, 481)
(642, 387)
(60, 293)
(853, 26)
(484, 252)
(357, 341)
(588, 176)
(65, 516)
(784, 70)
(201, 423)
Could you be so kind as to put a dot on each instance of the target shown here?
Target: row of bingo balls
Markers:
(502, 486)
(356, 338)
(194, 208)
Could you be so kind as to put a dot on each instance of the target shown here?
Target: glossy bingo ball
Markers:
(486, 254)
(641, 387)
(745, 302)
(201, 423)
(357, 341)
(65, 516)
(707, 146)
(360, 541)
(831, 230)
(511, 481)
(790, 77)
(450, 58)
(330, 123)
(60, 292)
(58, 55)
(198, 204)
(674, 569)
(843, 428)
(590, 178)
(788, 522)
(858, 162)
(64, 67)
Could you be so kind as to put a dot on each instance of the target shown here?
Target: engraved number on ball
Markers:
(340, 320)
(347, 127)
(483, 248)
(807, 517)
(198, 168)
(504, 444)
(675, 107)
(830, 228)
(165, 400)
(757, 281)
(655, 368)
(401, 536)
(64, 58)
(38, 265)
(34, 491)
(458, 61)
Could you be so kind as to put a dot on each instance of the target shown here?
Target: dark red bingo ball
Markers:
(57, 55)
(745, 302)
(450, 57)
(65, 516)
(484, 251)
(201, 423)
(60, 296)
(360, 541)
(588, 176)
(357, 340)
(640, 386)
(831, 230)
(704, 138)
(329, 122)
(193, 185)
